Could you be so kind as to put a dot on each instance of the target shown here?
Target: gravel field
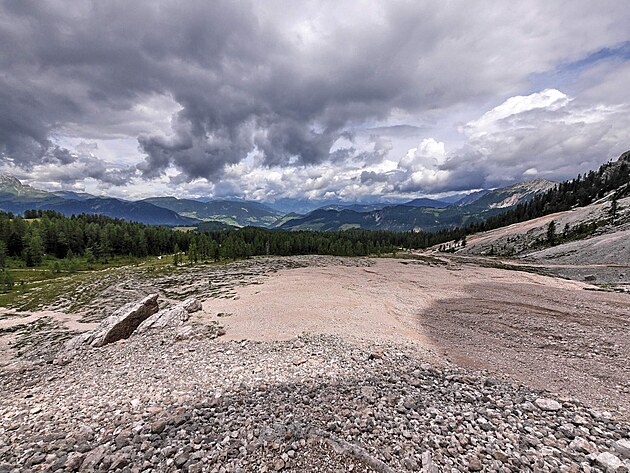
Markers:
(319, 403)
(331, 364)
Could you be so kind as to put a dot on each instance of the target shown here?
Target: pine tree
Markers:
(33, 252)
(3, 254)
(551, 232)
(613, 207)
(6, 280)
(176, 255)
(193, 254)
(89, 256)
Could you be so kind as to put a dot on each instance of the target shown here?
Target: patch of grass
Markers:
(515, 267)
(426, 259)
(36, 288)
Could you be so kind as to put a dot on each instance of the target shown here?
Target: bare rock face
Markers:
(120, 325)
(172, 317)
(125, 321)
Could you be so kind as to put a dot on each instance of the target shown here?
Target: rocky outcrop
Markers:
(136, 317)
(120, 325)
(172, 317)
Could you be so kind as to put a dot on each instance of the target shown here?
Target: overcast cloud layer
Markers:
(355, 100)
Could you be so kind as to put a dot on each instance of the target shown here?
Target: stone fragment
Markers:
(410, 464)
(192, 304)
(427, 463)
(158, 426)
(548, 404)
(608, 461)
(377, 354)
(74, 461)
(622, 447)
(582, 445)
(119, 460)
(180, 460)
(93, 459)
(474, 464)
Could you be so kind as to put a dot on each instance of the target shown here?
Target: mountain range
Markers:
(16, 197)
(230, 212)
(422, 214)
(417, 214)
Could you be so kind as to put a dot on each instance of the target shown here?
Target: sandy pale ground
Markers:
(546, 332)
(367, 303)
(10, 318)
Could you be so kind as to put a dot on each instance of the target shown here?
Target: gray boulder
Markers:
(623, 448)
(172, 317)
(120, 325)
(125, 321)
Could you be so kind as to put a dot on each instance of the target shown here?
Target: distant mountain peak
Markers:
(519, 193)
(7, 179)
(539, 182)
(11, 185)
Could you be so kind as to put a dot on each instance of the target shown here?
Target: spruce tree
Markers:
(551, 232)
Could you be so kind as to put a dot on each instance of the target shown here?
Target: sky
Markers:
(356, 101)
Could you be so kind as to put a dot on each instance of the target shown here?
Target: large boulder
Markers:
(172, 317)
(125, 321)
(121, 324)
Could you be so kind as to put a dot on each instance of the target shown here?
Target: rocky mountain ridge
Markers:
(420, 215)
(16, 197)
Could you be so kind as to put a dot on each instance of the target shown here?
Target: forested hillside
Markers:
(45, 236)
(581, 191)
(42, 236)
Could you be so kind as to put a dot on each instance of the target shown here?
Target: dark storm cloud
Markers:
(242, 81)
(286, 79)
(368, 177)
(58, 155)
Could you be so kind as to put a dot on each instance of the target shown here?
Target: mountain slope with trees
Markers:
(230, 212)
(612, 177)
(16, 197)
(422, 214)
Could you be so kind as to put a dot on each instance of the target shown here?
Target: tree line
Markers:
(41, 235)
(44, 234)
(578, 192)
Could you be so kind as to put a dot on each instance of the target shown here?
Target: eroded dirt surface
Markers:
(34, 336)
(546, 332)
(574, 342)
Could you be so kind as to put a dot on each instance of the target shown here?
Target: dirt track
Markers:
(546, 332)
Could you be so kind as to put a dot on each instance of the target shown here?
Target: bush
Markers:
(6, 280)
